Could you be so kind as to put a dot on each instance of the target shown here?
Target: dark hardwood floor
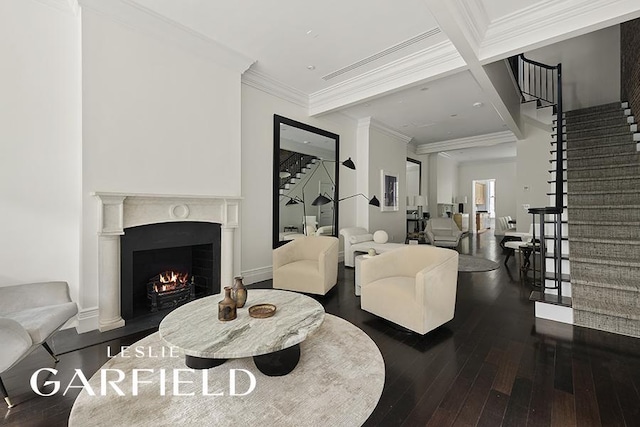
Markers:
(494, 364)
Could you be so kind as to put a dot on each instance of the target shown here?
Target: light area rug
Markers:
(337, 382)
(469, 264)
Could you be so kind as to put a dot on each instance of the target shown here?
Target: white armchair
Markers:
(414, 287)
(443, 232)
(308, 264)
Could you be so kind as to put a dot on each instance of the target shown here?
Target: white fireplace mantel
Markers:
(119, 211)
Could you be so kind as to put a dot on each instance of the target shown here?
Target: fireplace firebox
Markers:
(168, 264)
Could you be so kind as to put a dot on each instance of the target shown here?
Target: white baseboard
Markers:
(257, 275)
(87, 320)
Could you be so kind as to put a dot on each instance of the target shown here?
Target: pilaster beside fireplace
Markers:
(119, 211)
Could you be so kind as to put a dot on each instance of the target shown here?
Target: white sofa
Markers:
(414, 287)
(358, 239)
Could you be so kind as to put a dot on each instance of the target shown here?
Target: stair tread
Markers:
(606, 223)
(622, 262)
(596, 307)
(616, 166)
(611, 106)
(631, 242)
(538, 296)
(607, 145)
(596, 156)
(594, 137)
(613, 283)
(607, 126)
(589, 118)
(605, 207)
(632, 191)
(606, 178)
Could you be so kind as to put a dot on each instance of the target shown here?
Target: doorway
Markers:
(483, 194)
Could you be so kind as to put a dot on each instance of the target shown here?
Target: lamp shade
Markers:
(321, 200)
(419, 201)
(349, 163)
(291, 202)
(374, 201)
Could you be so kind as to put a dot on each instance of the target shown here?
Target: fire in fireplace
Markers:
(170, 289)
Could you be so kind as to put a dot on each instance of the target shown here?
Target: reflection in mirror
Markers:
(304, 168)
(414, 186)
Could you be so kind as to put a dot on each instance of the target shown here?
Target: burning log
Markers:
(169, 289)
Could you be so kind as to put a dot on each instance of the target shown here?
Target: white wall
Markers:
(532, 173)
(447, 179)
(157, 119)
(258, 108)
(40, 125)
(502, 170)
(590, 67)
(387, 153)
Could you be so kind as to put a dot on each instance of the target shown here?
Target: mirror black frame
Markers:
(419, 163)
(277, 121)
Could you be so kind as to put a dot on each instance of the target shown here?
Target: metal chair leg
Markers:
(46, 347)
(4, 393)
(510, 252)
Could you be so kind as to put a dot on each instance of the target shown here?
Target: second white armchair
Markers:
(414, 287)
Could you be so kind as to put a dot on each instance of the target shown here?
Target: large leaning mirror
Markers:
(304, 168)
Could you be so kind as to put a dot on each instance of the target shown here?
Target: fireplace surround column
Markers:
(226, 257)
(109, 277)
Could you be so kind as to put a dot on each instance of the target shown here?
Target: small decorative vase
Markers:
(227, 307)
(239, 292)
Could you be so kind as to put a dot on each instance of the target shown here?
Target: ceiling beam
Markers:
(450, 16)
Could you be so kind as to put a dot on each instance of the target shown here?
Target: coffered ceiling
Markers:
(415, 66)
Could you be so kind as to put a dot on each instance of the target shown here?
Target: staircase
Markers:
(296, 166)
(542, 84)
(603, 183)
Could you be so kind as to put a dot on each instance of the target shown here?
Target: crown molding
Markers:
(155, 25)
(447, 156)
(438, 60)
(499, 160)
(268, 84)
(474, 16)
(551, 21)
(468, 142)
(67, 6)
(389, 131)
(364, 123)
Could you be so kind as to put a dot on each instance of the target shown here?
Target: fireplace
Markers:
(207, 255)
(186, 249)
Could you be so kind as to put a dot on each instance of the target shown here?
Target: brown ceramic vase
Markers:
(239, 292)
(227, 307)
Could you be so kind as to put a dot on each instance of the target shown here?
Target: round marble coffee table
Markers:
(273, 342)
